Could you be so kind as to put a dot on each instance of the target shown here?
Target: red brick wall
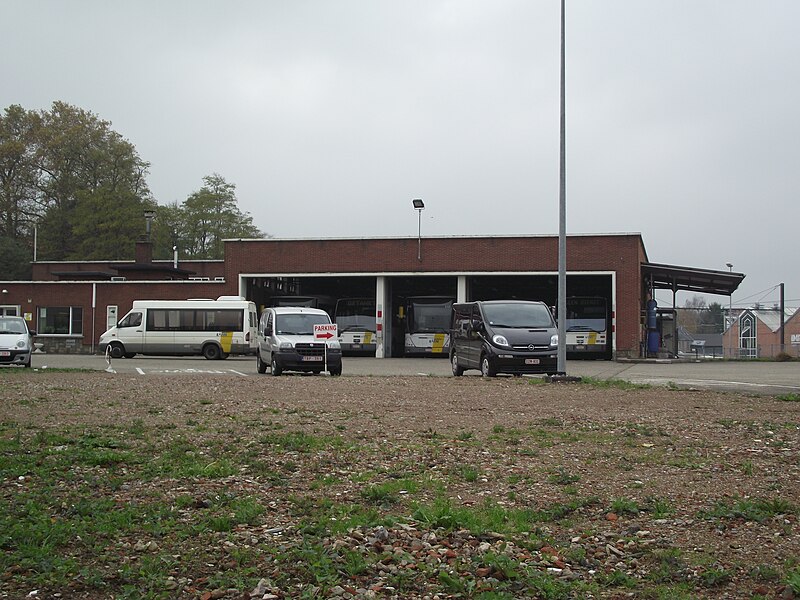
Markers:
(621, 254)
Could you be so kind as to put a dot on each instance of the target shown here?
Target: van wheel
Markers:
(458, 370)
(276, 369)
(130, 354)
(212, 352)
(487, 369)
(117, 350)
(260, 364)
(336, 371)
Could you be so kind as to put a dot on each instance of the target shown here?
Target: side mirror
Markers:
(32, 332)
(267, 331)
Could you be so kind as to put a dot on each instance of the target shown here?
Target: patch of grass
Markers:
(561, 477)
(469, 473)
(793, 580)
(750, 509)
(616, 578)
(789, 397)
(659, 508)
(298, 441)
(493, 517)
(624, 506)
(388, 492)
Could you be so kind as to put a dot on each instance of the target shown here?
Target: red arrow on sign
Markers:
(326, 335)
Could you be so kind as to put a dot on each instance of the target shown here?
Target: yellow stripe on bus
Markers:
(438, 342)
(225, 340)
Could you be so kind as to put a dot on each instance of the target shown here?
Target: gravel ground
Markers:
(663, 492)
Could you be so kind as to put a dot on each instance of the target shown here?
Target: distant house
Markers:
(756, 333)
(700, 344)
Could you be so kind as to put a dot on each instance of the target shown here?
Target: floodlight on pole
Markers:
(149, 215)
(418, 206)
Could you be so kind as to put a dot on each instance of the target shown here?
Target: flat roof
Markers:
(692, 279)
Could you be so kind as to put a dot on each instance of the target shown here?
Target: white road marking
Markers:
(191, 371)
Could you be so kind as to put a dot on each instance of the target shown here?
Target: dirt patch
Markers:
(643, 492)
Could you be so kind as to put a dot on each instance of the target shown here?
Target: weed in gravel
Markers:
(793, 580)
(616, 578)
(298, 441)
(469, 473)
(464, 436)
(624, 506)
(659, 508)
(750, 509)
(562, 477)
(385, 494)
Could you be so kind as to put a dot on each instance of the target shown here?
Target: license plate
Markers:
(531, 361)
(356, 346)
(580, 347)
(5, 353)
(312, 358)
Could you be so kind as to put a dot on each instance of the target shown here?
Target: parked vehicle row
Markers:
(499, 336)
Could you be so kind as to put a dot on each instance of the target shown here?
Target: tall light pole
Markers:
(562, 220)
(419, 205)
(730, 311)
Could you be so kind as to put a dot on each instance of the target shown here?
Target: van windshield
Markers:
(521, 316)
(299, 324)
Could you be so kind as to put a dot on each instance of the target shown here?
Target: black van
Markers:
(503, 336)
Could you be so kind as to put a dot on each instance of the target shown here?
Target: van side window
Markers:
(131, 320)
(461, 316)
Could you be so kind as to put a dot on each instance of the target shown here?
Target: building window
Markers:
(60, 320)
(747, 337)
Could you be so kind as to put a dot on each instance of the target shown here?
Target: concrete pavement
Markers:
(748, 377)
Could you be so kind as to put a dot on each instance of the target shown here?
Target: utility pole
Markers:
(562, 220)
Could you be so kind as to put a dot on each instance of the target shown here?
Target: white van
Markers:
(211, 328)
(286, 342)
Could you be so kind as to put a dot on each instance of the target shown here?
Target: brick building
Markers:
(756, 333)
(70, 304)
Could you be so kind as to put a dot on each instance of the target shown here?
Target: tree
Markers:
(19, 175)
(15, 257)
(91, 181)
(205, 218)
(697, 317)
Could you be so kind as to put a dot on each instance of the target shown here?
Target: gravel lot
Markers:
(651, 492)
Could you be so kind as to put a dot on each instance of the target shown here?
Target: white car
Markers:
(16, 341)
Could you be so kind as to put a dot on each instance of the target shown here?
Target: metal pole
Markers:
(783, 319)
(562, 220)
(419, 234)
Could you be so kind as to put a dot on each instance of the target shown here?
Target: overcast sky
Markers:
(683, 117)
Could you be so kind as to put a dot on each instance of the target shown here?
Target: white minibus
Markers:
(211, 328)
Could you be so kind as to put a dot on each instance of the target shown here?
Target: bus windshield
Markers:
(355, 314)
(429, 317)
(586, 314)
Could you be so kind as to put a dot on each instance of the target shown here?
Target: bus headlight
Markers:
(500, 340)
(554, 340)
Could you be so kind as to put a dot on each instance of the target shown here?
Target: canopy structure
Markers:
(691, 279)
